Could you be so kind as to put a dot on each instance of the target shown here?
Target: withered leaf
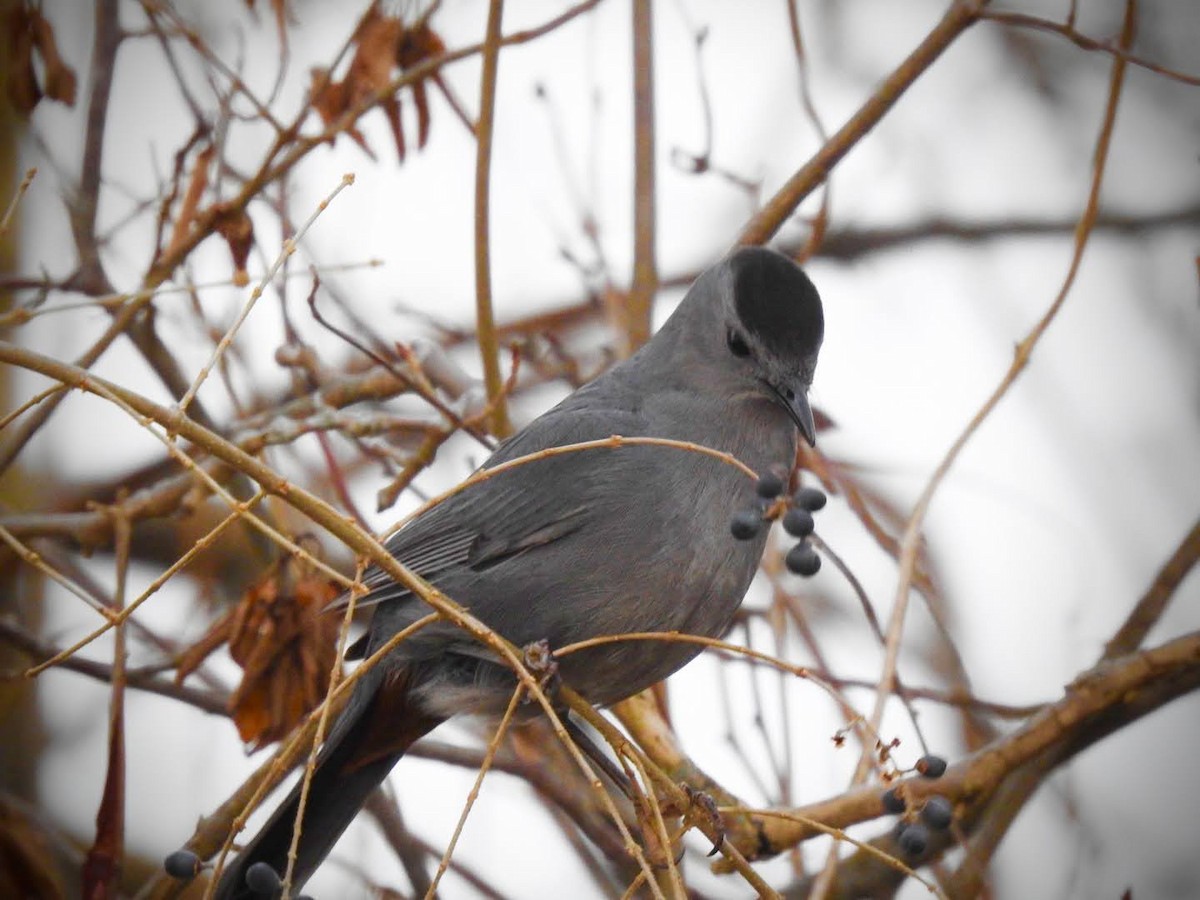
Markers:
(238, 230)
(23, 32)
(330, 99)
(371, 67)
(60, 78)
(421, 101)
(391, 108)
(283, 643)
(197, 184)
(381, 43)
(374, 55)
(415, 46)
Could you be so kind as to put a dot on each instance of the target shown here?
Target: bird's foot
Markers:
(704, 808)
(539, 660)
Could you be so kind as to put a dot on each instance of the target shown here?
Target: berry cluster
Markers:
(913, 835)
(796, 516)
(260, 878)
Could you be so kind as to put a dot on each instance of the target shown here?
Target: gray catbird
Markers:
(590, 543)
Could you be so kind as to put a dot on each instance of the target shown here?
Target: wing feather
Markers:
(502, 516)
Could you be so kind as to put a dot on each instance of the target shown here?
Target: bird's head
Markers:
(757, 323)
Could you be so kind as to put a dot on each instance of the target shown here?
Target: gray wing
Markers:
(516, 512)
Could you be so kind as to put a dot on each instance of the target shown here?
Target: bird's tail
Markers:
(375, 730)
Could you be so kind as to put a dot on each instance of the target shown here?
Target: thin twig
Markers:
(737, 650)
(485, 767)
(289, 247)
(820, 221)
(208, 701)
(354, 538)
(255, 788)
(32, 558)
(1067, 30)
(102, 866)
(318, 738)
(127, 610)
(639, 303)
(85, 204)
(9, 213)
(485, 322)
(961, 15)
(122, 320)
(910, 543)
(1149, 609)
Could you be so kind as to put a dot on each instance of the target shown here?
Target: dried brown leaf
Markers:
(327, 97)
(191, 200)
(375, 54)
(371, 67)
(283, 643)
(286, 649)
(238, 230)
(61, 82)
(415, 46)
(391, 109)
(330, 99)
(381, 44)
(421, 101)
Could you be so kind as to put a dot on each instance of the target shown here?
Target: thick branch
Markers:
(990, 787)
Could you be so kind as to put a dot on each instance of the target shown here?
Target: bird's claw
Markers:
(539, 660)
(707, 807)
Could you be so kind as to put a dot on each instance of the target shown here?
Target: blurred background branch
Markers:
(523, 191)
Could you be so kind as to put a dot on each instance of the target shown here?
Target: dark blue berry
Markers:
(931, 766)
(798, 522)
(893, 802)
(262, 879)
(937, 812)
(913, 838)
(745, 524)
(803, 560)
(770, 485)
(182, 864)
(810, 498)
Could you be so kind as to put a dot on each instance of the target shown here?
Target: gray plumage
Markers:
(596, 542)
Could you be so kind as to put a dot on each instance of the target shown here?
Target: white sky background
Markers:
(1052, 523)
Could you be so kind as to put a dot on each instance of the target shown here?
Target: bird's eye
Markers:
(737, 344)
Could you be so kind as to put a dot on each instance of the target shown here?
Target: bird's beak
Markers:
(795, 401)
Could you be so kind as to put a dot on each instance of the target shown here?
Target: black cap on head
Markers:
(776, 302)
